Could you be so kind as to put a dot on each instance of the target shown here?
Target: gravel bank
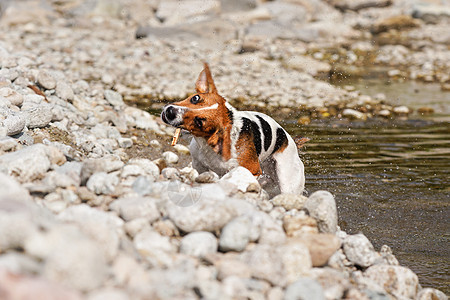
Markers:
(94, 204)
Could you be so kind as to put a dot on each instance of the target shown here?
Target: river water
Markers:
(390, 178)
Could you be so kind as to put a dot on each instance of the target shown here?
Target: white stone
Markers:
(198, 244)
(322, 207)
(359, 250)
(170, 157)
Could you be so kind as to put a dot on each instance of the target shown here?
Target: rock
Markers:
(212, 210)
(231, 265)
(296, 260)
(8, 144)
(64, 91)
(125, 142)
(401, 110)
(14, 124)
(359, 4)
(359, 250)
(12, 96)
(322, 207)
(354, 114)
(207, 177)
(142, 186)
(18, 286)
(289, 201)
(147, 165)
(182, 149)
(265, 264)
(431, 13)
(109, 293)
(172, 12)
(308, 65)
(61, 248)
(238, 179)
(296, 225)
(198, 244)
(334, 283)
(304, 288)
(131, 208)
(46, 80)
(157, 249)
(170, 157)
(397, 281)
(38, 117)
(237, 5)
(19, 263)
(102, 183)
(31, 162)
(321, 247)
(114, 98)
(235, 235)
(103, 227)
(170, 173)
(400, 22)
(430, 294)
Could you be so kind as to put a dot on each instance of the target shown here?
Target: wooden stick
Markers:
(176, 136)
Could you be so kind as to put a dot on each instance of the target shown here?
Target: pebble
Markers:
(238, 179)
(321, 247)
(359, 250)
(207, 177)
(396, 280)
(182, 149)
(322, 207)
(198, 244)
(136, 207)
(46, 80)
(304, 288)
(354, 114)
(14, 124)
(102, 183)
(64, 91)
(38, 117)
(289, 201)
(235, 235)
(114, 98)
(12, 96)
(170, 157)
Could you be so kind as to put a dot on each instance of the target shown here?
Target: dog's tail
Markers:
(301, 141)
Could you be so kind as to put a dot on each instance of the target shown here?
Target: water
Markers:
(391, 182)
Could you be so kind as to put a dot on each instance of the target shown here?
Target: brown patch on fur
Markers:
(246, 154)
(301, 141)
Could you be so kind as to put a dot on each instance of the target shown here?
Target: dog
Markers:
(224, 137)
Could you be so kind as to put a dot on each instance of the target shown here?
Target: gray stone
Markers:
(289, 201)
(157, 249)
(142, 186)
(322, 207)
(172, 12)
(207, 177)
(431, 294)
(396, 280)
(31, 162)
(102, 183)
(287, 13)
(14, 124)
(38, 117)
(19, 263)
(359, 4)
(210, 212)
(237, 5)
(46, 80)
(105, 164)
(61, 249)
(12, 96)
(136, 207)
(235, 235)
(265, 264)
(114, 98)
(304, 288)
(131, 170)
(170, 157)
(8, 144)
(64, 91)
(147, 165)
(238, 179)
(431, 13)
(103, 227)
(198, 244)
(170, 173)
(125, 142)
(334, 283)
(359, 250)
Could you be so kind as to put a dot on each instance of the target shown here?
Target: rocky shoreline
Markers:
(95, 204)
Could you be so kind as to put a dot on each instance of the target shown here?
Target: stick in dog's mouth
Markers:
(176, 136)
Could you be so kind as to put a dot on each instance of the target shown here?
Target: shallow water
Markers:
(391, 182)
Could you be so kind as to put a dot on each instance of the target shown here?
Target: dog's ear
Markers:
(205, 83)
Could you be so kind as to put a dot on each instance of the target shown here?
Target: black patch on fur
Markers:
(248, 126)
(230, 115)
(281, 140)
(267, 131)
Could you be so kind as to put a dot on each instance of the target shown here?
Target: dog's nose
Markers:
(170, 113)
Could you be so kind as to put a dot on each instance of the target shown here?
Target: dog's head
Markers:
(203, 113)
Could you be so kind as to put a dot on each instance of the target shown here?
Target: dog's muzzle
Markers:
(172, 115)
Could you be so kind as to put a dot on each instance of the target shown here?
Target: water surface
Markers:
(391, 182)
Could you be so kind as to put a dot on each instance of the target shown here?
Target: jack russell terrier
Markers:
(225, 137)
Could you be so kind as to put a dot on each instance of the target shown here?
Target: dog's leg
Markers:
(290, 170)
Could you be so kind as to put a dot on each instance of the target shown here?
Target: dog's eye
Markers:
(195, 99)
